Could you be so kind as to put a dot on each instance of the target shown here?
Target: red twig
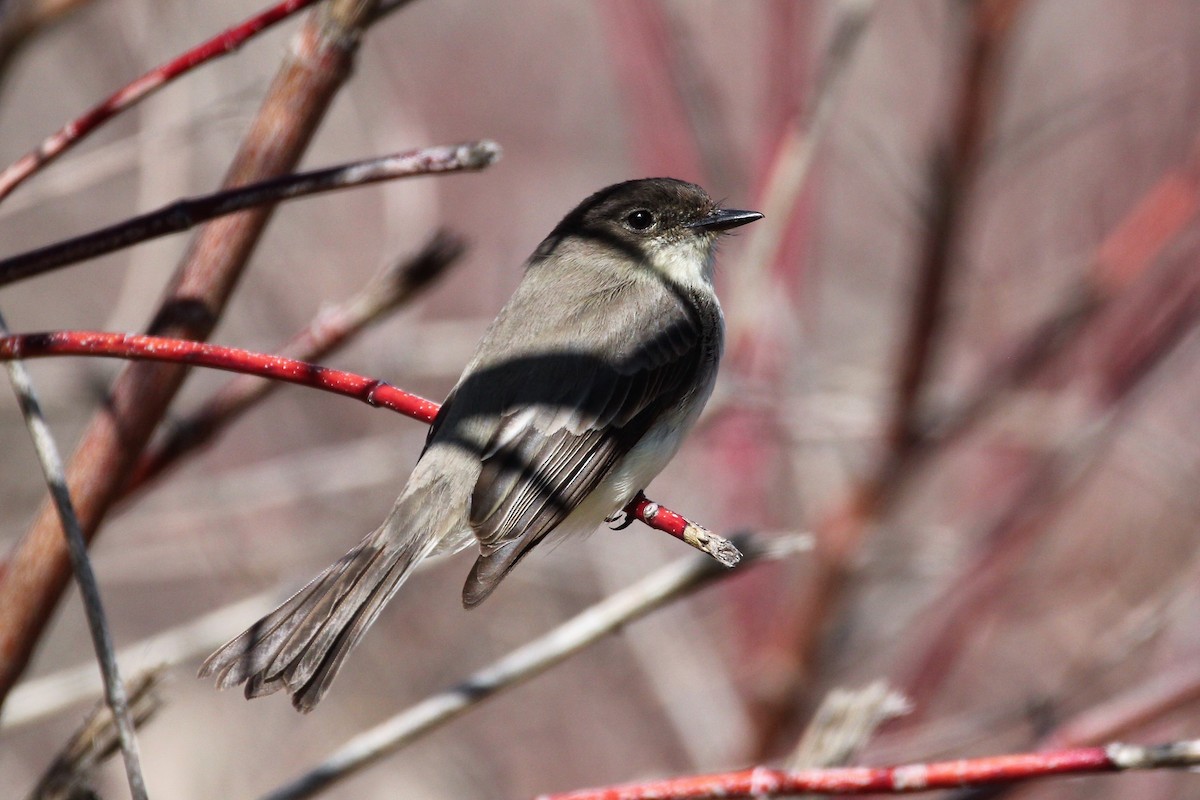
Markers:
(75, 131)
(139, 347)
(762, 782)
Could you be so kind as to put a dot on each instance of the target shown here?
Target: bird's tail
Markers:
(300, 646)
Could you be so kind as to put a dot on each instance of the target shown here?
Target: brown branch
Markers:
(319, 63)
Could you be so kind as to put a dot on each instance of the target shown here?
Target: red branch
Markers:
(763, 782)
(65, 138)
(139, 347)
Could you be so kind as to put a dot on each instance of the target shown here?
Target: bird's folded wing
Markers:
(544, 458)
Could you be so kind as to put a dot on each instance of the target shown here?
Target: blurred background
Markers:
(963, 355)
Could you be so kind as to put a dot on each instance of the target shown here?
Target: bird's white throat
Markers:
(687, 261)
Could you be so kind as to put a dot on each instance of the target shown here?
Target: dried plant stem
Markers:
(374, 392)
(76, 130)
(652, 592)
(320, 61)
(185, 214)
(89, 589)
(763, 782)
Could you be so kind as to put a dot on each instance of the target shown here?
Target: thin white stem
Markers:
(89, 590)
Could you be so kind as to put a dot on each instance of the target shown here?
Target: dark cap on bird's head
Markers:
(633, 212)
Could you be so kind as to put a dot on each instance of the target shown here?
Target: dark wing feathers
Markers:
(544, 459)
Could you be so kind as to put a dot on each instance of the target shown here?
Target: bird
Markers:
(579, 393)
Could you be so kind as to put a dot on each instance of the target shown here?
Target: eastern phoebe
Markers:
(579, 393)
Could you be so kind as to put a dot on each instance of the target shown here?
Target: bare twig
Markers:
(140, 347)
(94, 741)
(652, 592)
(185, 214)
(764, 782)
(701, 538)
(374, 392)
(76, 130)
(89, 590)
(325, 334)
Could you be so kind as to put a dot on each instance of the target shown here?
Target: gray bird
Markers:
(577, 396)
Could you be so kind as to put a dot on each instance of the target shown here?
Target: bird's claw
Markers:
(619, 521)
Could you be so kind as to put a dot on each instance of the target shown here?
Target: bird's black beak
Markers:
(723, 219)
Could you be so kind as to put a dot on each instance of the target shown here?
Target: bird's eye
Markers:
(639, 220)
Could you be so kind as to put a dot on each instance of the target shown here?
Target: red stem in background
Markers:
(139, 347)
(73, 132)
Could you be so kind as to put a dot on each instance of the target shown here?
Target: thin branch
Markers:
(1144, 702)
(664, 519)
(75, 131)
(332, 328)
(670, 583)
(185, 214)
(374, 392)
(89, 590)
(140, 347)
(763, 782)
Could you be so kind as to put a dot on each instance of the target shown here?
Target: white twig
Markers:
(652, 592)
(52, 468)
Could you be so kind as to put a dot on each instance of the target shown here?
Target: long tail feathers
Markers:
(300, 646)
